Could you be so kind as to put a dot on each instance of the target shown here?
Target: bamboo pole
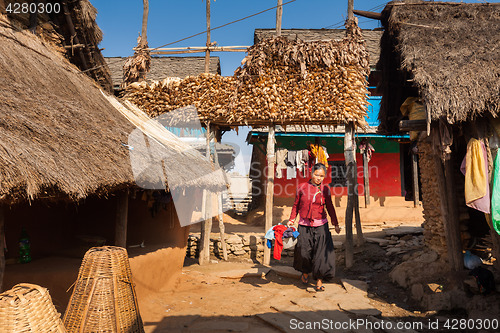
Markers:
(121, 219)
(2, 246)
(350, 9)
(269, 188)
(207, 51)
(351, 172)
(145, 13)
(416, 194)
(279, 15)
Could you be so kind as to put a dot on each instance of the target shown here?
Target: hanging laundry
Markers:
(299, 160)
(319, 153)
(291, 164)
(281, 154)
(475, 168)
(495, 196)
(305, 159)
(278, 240)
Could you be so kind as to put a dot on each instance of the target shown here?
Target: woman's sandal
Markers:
(304, 279)
(322, 288)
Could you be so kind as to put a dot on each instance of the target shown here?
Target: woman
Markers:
(314, 252)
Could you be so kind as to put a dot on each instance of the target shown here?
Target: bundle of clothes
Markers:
(281, 234)
(301, 160)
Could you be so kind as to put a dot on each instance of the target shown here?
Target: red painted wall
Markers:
(384, 171)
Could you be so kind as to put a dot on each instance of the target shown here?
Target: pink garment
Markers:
(482, 204)
(312, 222)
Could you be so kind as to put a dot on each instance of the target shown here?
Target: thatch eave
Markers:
(449, 52)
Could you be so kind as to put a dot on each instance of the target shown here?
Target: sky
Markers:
(170, 20)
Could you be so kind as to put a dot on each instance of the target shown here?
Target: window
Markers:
(338, 172)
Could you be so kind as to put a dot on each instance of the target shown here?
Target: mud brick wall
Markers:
(434, 232)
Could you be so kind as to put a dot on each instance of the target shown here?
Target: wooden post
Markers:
(351, 174)
(452, 223)
(207, 52)
(2, 246)
(206, 225)
(72, 32)
(366, 177)
(416, 194)
(350, 9)
(279, 15)
(219, 202)
(269, 189)
(145, 13)
(121, 219)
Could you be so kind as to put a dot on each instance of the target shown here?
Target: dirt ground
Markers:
(206, 301)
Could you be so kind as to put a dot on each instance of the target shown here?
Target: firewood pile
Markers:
(280, 81)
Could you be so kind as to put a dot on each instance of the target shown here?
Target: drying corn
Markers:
(280, 81)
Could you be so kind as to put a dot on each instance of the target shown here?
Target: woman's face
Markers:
(318, 176)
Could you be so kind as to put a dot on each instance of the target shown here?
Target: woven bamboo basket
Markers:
(28, 308)
(104, 298)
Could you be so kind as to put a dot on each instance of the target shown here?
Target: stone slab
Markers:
(317, 303)
(402, 230)
(305, 316)
(243, 273)
(287, 271)
(386, 329)
(277, 320)
(379, 241)
(355, 286)
(359, 306)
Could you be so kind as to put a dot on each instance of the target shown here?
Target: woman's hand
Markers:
(337, 228)
(290, 223)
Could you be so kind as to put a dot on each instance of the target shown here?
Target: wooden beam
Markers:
(73, 34)
(416, 193)
(201, 48)
(372, 15)
(145, 13)
(279, 15)
(215, 49)
(269, 189)
(207, 51)
(121, 219)
(351, 174)
(2, 245)
(413, 125)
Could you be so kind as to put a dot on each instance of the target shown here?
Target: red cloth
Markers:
(310, 204)
(278, 240)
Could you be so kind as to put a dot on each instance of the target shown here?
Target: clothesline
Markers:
(293, 160)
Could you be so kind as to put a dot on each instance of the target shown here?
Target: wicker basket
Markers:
(104, 298)
(28, 308)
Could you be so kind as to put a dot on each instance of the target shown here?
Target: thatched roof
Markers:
(371, 38)
(58, 133)
(76, 36)
(162, 67)
(447, 53)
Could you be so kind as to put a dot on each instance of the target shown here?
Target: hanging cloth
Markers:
(281, 154)
(475, 168)
(495, 196)
(291, 164)
(318, 152)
